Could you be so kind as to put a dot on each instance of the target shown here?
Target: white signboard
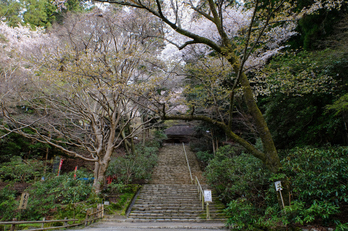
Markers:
(278, 186)
(207, 196)
(106, 203)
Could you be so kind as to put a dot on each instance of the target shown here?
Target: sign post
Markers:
(279, 188)
(24, 201)
(208, 198)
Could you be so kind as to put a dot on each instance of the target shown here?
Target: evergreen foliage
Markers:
(301, 85)
(314, 28)
(16, 145)
(317, 179)
(48, 197)
(134, 168)
(10, 11)
(36, 13)
(18, 170)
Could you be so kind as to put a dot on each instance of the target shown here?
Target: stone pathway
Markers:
(171, 196)
(172, 167)
(170, 201)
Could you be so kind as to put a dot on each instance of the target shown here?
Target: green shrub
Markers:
(129, 169)
(115, 188)
(47, 197)
(318, 181)
(159, 135)
(204, 157)
(8, 203)
(234, 176)
(242, 214)
(19, 170)
(318, 174)
(17, 145)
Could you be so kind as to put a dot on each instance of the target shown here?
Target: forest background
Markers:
(296, 70)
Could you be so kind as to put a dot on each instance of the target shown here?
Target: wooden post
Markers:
(208, 214)
(202, 203)
(43, 219)
(86, 221)
(13, 225)
(102, 210)
(281, 197)
(65, 222)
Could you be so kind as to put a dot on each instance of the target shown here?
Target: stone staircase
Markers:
(170, 196)
(162, 202)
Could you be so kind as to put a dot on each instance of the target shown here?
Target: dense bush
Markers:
(318, 174)
(158, 137)
(46, 198)
(204, 157)
(8, 203)
(301, 85)
(318, 180)
(132, 168)
(63, 189)
(227, 151)
(19, 170)
(17, 145)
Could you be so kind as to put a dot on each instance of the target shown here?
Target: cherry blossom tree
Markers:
(86, 86)
(210, 26)
(18, 43)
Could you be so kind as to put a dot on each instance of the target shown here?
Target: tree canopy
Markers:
(83, 85)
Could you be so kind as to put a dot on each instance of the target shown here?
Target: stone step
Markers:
(164, 191)
(165, 216)
(140, 206)
(170, 196)
(167, 212)
(164, 219)
(167, 201)
(167, 204)
(173, 209)
(179, 215)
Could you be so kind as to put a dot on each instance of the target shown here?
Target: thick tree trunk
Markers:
(132, 145)
(271, 156)
(99, 176)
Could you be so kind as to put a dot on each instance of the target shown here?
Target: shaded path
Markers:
(172, 167)
(171, 171)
